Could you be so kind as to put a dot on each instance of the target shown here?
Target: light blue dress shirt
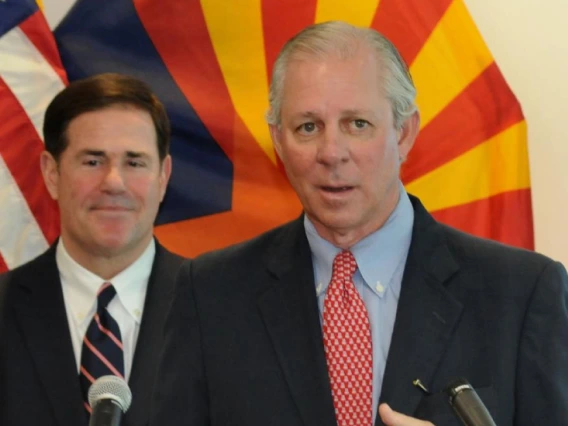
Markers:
(381, 257)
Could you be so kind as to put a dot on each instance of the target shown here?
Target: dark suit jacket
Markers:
(244, 342)
(39, 383)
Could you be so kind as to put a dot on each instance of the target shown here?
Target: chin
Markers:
(111, 249)
(112, 242)
(337, 222)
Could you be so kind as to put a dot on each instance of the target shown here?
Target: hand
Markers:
(392, 418)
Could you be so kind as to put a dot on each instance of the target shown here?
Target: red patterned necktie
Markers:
(348, 345)
(102, 352)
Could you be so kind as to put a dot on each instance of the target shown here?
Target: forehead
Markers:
(333, 81)
(117, 127)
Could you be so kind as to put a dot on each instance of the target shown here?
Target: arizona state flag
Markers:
(210, 61)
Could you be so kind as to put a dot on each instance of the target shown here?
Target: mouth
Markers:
(110, 209)
(336, 189)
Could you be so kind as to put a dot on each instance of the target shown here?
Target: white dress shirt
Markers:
(80, 288)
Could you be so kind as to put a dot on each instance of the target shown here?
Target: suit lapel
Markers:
(426, 316)
(144, 364)
(40, 311)
(290, 312)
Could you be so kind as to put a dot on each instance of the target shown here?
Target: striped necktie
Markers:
(102, 352)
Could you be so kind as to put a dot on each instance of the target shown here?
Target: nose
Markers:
(113, 181)
(333, 147)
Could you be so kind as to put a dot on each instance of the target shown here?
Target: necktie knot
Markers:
(105, 294)
(344, 265)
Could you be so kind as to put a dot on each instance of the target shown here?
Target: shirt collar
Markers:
(378, 255)
(82, 285)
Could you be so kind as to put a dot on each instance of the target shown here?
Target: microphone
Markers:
(467, 405)
(109, 397)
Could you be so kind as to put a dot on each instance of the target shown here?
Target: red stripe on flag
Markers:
(281, 21)
(197, 71)
(408, 23)
(506, 217)
(3, 266)
(21, 146)
(38, 32)
(485, 108)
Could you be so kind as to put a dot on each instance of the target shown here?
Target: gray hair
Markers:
(341, 38)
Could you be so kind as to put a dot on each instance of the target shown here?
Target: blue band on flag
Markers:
(98, 37)
(12, 12)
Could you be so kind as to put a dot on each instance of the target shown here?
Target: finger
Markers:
(393, 418)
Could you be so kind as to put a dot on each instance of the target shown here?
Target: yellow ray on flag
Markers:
(40, 4)
(356, 12)
(452, 57)
(237, 37)
(498, 165)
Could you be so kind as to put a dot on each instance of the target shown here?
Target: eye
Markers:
(136, 163)
(92, 162)
(360, 123)
(307, 128)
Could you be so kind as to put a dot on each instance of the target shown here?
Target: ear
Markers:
(165, 173)
(50, 173)
(276, 135)
(407, 135)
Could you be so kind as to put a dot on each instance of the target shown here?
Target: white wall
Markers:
(529, 40)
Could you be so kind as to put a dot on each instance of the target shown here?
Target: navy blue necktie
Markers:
(102, 353)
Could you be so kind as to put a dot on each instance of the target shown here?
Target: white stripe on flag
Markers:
(21, 239)
(28, 75)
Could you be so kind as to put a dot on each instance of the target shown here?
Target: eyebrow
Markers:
(344, 113)
(306, 114)
(91, 152)
(134, 154)
(98, 153)
(352, 112)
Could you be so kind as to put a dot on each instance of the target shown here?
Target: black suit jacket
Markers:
(39, 383)
(244, 343)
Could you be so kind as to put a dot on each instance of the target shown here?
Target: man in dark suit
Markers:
(94, 303)
(365, 308)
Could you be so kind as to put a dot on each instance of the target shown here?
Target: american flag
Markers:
(31, 74)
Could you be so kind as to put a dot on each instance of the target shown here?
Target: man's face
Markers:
(109, 182)
(339, 145)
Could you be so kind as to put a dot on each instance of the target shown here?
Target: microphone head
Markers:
(110, 387)
(456, 386)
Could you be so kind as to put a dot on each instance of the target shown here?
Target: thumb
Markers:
(393, 418)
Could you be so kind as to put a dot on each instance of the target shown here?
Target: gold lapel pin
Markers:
(418, 383)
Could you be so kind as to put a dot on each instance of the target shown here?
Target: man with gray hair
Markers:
(364, 309)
